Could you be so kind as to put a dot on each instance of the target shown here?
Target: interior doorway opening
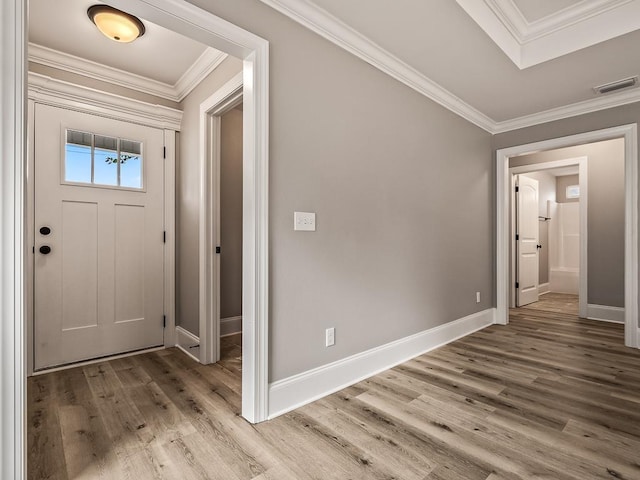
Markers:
(553, 256)
(629, 191)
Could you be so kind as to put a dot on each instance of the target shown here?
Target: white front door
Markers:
(527, 240)
(99, 201)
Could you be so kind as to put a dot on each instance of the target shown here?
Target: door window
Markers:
(104, 161)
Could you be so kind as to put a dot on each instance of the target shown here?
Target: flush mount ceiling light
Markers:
(116, 24)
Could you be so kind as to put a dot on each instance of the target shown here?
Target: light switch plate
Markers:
(304, 221)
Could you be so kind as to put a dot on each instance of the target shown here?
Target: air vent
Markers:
(617, 85)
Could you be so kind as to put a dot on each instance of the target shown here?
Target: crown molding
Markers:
(51, 91)
(326, 25)
(566, 31)
(196, 73)
(204, 65)
(323, 23)
(567, 111)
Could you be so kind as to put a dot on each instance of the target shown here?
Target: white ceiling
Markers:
(61, 33)
(437, 41)
(536, 9)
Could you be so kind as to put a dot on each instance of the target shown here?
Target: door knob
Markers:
(45, 249)
(45, 230)
(538, 246)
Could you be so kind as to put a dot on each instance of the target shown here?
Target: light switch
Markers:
(304, 221)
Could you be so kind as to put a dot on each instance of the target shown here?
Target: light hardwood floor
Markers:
(548, 397)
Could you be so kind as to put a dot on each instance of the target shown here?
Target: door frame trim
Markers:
(85, 100)
(13, 106)
(581, 162)
(211, 109)
(630, 135)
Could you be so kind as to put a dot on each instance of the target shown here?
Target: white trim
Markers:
(13, 17)
(605, 313)
(566, 31)
(196, 73)
(191, 21)
(573, 110)
(230, 326)
(632, 328)
(94, 361)
(30, 199)
(170, 238)
(543, 288)
(185, 340)
(223, 100)
(50, 91)
(326, 25)
(298, 390)
(629, 132)
(203, 66)
(582, 163)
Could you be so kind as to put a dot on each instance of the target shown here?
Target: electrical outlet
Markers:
(304, 221)
(477, 297)
(330, 337)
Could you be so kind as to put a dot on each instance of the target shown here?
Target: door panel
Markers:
(129, 267)
(79, 263)
(527, 243)
(100, 289)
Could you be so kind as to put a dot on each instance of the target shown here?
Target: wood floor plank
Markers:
(549, 396)
(45, 451)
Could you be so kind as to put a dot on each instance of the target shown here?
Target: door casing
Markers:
(84, 100)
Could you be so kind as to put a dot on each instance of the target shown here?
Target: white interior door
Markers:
(99, 234)
(527, 240)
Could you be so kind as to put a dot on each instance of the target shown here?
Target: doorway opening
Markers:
(629, 191)
(220, 116)
(549, 231)
(204, 27)
(230, 284)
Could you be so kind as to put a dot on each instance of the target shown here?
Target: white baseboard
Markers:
(293, 392)
(543, 288)
(605, 313)
(185, 340)
(230, 326)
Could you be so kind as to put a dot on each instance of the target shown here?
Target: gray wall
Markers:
(188, 196)
(564, 181)
(605, 223)
(546, 191)
(231, 214)
(404, 209)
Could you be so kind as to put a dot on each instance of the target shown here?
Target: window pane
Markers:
(105, 170)
(77, 166)
(130, 170)
(115, 162)
(573, 191)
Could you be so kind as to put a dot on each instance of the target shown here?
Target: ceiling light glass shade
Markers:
(115, 24)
